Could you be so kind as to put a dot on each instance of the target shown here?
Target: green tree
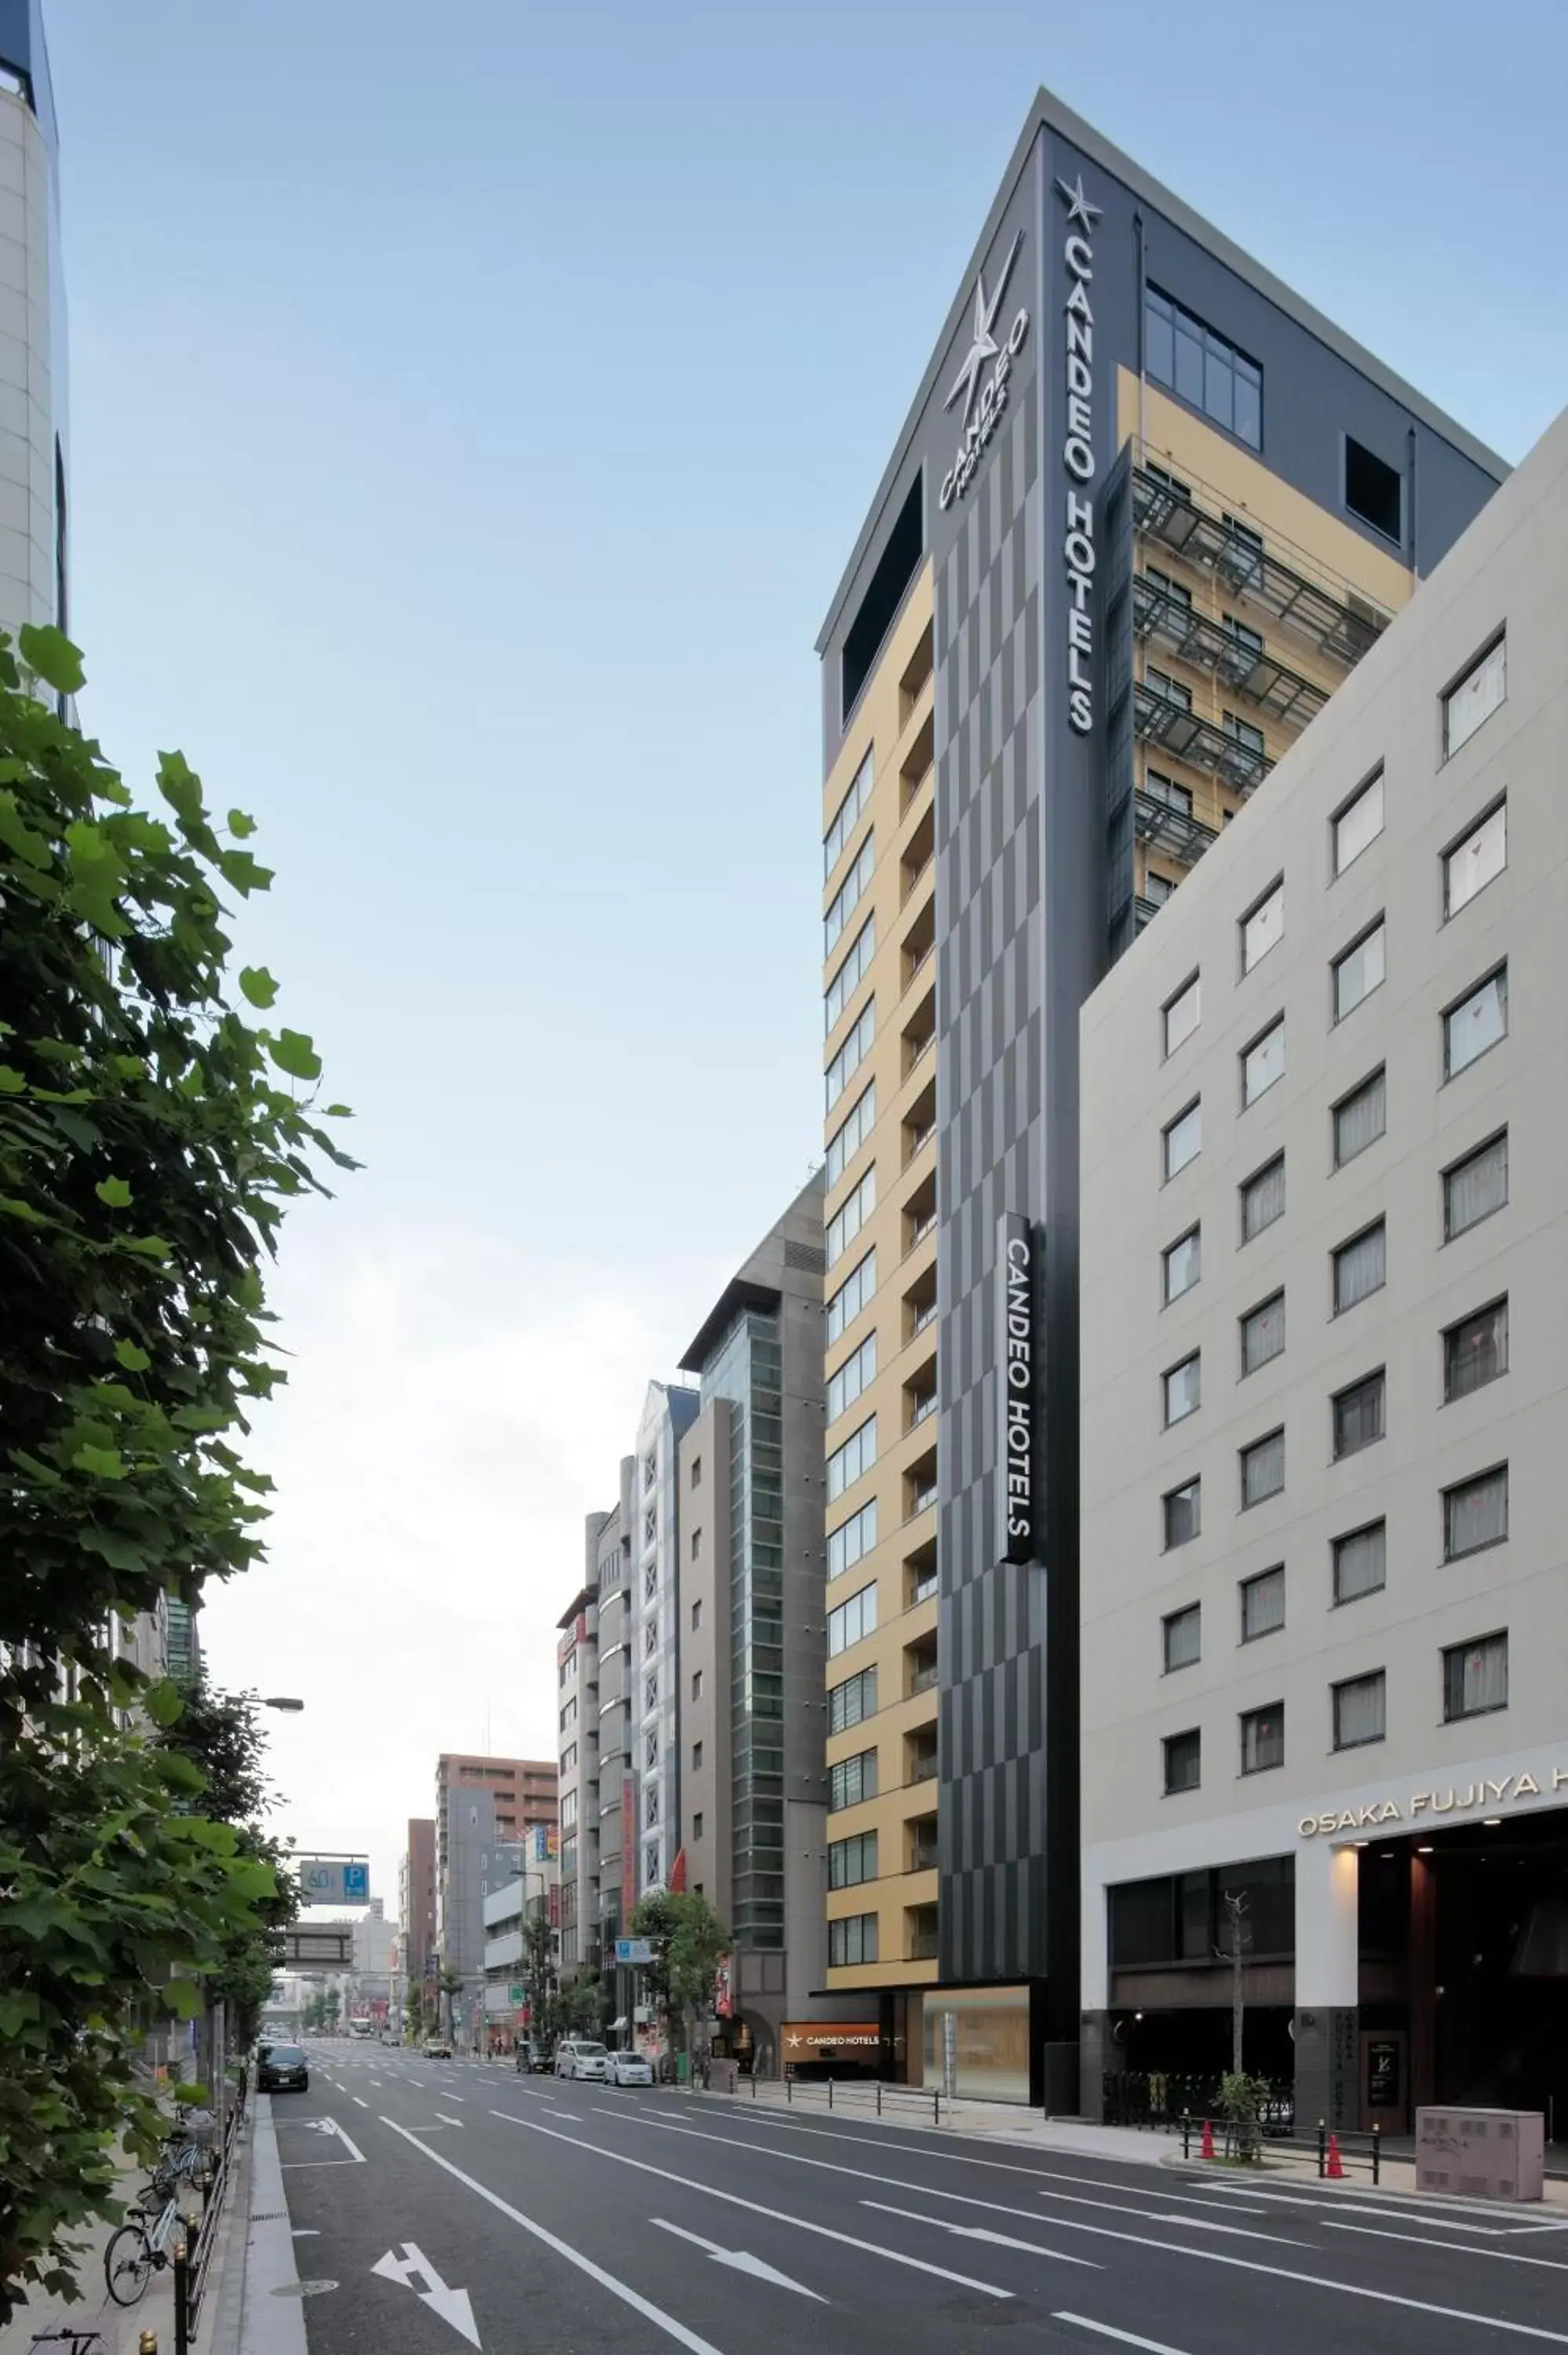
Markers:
(688, 1941)
(586, 2005)
(151, 1138)
(545, 2013)
(413, 2011)
(449, 1983)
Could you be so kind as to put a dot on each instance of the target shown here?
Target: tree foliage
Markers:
(689, 1942)
(150, 1137)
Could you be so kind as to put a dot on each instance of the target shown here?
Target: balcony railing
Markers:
(923, 1856)
(927, 1316)
(928, 1406)
(1159, 720)
(918, 1144)
(923, 1946)
(923, 1679)
(923, 1590)
(1170, 827)
(912, 878)
(928, 1226)
(1207, 645)
(923, 1499)
(923, 1769)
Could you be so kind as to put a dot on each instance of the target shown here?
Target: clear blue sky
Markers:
(473, 407)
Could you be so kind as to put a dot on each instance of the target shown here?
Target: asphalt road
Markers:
(449, 2203)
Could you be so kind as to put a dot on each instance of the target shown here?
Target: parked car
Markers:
(282, 2068)
(436, 2048)
(630, 2069)
(580, 2056)
(531, 2059)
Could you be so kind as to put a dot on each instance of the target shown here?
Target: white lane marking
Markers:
(570, 2116)
(1455, 2249)
(1110, 2232)
(376, 2083)
(1519, 2232)
(447, 2119)
(1128, 2338)
(330, 2128)
(453, 2306)
(622, 2290)
(779, 2216)
(1457, 2221)
(984, 2232)
(741, 2260)
(458, 2098)
(305, 2232)
(360, 2103)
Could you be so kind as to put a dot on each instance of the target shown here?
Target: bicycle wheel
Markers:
(128, 2265)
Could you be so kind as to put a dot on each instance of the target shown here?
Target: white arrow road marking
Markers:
(1128, 2338)
(570, 2116)
(741, 2260)
(622, 2290)
(451, 2304)
(447, 2119)
(981, 2232)
(330, 2128)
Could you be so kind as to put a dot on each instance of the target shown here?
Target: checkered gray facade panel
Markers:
(989, 1061)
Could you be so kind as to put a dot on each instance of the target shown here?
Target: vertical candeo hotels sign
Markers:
(984, 391)
(1078, 453)
(1016, 1388)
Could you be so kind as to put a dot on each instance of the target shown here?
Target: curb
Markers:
(266, 2322)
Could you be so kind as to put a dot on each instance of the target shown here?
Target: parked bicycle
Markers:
(137, 2251)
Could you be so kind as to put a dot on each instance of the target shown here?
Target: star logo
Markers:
(793, 2040)
(1078, 206)
(983, 344)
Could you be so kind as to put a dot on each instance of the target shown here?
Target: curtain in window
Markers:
(1360, 1122)
(1478, 1676)
(1262, 1603)
(1264, 1200)
(1182, 1635)
(1263, 1469)
(1263, 1333)
(1477, 1514)
(1360, 1563)
(1358, 1417)
(1477, 1187)
(1478, 1023)
(1359, 1711)
(1361, 1267)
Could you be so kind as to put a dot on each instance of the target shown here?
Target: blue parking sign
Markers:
(356, 1884)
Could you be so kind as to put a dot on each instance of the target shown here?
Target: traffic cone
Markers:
(1208, 2149)
(1335, 2169)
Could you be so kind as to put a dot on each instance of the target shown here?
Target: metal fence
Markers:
(1158, 2098)
(194, 2253)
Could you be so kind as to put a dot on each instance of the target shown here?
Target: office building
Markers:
(577, 1681)
(484, 1809)
(34, 535)
(608, 1567)
(652, 1667)
(1325, 1163)
(1147, 512)
(417, 1901)
(751, 1651)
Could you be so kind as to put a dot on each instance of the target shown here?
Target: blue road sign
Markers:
(356, 1884)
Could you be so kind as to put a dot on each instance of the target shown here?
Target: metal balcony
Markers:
(1175, 831)
(1208, 646)
(1248, 566)
(1185, 737)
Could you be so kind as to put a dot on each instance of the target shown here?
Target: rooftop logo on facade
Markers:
(983, 400)
(1078, 453)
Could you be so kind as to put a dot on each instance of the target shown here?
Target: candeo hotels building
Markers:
(1147, 512)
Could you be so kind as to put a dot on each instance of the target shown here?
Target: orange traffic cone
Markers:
(1208, 2149)
(1335, 2169)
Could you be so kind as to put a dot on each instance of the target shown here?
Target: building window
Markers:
(1184, 1760)
(697, 1827)
(1263, 1469)
(1162, 788)
(1361, 1118)
(853, 1940)
(1358, 824)
(1474, 1351)
(1263, 1063)
(1477, 1022)
(1477, 695)
(1375, 490)
(1476, 862)
(851, 1861)
(851, 1054)
(853, 1620)
(850, 974)
(1183, 1513)
(1157, 888)
(1475, 1514)
(1262, 1603)
(696, 1615)
(1361, 1562)
(846, 815)
(852, 1294)
(1180, 1014)
(1243, 732)
(1170, 691)
(1358, 971)
(1360, 1711)
(851, 1780)
(1358, 1415)
(850, 1462)
(1203, 368)
(1263, 1333)
(696, 1471)
(852, 1701)
(851, 1539)
(696, 1684)
(1263, 1198)
(696, 1545)
(1263, 929)
(1183, 1389)
(1167, 586)
(1181, 1263)
(845, 1385)
(1475, 1677)
(1248, 641)
(848, 895)
(1181, 1633)
(1243, 560)
(1475, 1186)
(1361, 1267)
(851, 1135)
(1263, 1738)
(697, 1757)
(1183, 1139)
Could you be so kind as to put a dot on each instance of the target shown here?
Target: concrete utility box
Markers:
(1483, 2154)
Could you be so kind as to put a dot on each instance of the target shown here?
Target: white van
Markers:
(580, 2056)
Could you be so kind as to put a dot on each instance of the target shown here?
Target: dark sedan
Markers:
(282, 2069)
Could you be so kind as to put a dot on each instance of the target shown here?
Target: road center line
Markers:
(984, 2232)
(1110, 2232)
(1128, 2338)
(360, 2103)
(622, 2290)
(1420, 2241)
(779, 2216)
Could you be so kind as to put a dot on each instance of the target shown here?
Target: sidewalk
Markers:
(259, 2311)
